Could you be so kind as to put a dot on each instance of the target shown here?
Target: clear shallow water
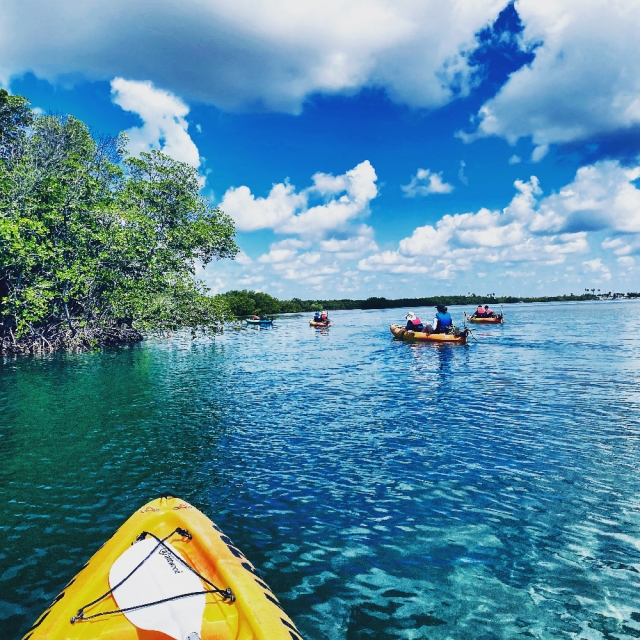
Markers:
(385, 490)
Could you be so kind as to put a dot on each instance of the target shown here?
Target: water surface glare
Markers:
(384, 490)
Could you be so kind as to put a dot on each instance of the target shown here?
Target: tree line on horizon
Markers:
(247, 303)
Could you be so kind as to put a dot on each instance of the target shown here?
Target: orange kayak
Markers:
(496, 320)
(313, 323)
(168, 572)
(448, 338)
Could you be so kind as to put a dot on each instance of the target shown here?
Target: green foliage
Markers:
(15, 117)
(91, 237)
(383, 303)
(248, 303)
(245, 303)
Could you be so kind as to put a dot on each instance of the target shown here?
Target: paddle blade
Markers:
(161, 576)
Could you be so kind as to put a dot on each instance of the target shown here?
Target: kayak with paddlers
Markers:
(257, 320)
(320, 319)
(441, 328)
(485, 315)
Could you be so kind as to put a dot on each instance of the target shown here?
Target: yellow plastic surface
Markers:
(319, 324)
(499, 320)
(255, 615)
(399, 332)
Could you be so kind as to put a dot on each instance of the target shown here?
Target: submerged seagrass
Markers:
(95, 246)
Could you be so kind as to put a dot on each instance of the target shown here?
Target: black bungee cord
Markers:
(226, 594)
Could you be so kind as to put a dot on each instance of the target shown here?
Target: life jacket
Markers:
(480, 311)
(324, 317)
(444, 319)
(416, 323)
(488, 312)
(256, 318)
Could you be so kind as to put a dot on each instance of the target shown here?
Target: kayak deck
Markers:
(254, 615)
(443, 338)
(313, 323)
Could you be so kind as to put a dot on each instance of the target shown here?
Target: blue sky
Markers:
(372, 148)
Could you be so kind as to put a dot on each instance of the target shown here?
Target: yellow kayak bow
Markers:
(168, 572)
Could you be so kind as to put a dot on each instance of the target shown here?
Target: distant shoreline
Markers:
(246, 303)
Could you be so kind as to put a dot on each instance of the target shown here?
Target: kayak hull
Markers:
(439, 338)
(313, 323)
(255, 614)
(497, 320)
(259, 322)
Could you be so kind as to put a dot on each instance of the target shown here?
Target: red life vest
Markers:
(488, 311)
(480, 311)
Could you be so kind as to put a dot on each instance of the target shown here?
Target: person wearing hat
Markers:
(413, 322)
(442, 322)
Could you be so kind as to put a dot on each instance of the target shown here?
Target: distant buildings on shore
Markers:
(616, 296)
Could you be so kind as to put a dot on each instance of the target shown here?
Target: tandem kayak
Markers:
(258, 322)
(168, 572)
(449, 338)
(313, 323)
(496, 320)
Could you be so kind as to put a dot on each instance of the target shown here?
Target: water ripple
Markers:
(385, 490)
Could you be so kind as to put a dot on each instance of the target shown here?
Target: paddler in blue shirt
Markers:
(442, 322)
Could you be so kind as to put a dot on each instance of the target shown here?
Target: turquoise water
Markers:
(385, 490)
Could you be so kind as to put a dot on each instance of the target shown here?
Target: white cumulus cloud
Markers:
(626, 261)
(344, 199)
(314, 262)
(596, 266)
(163, 116)
(534, 231)
(321, 222)
(583, 82)
(602, 196)
(425, 182)
(351, 247)
(251, 213)
(391, 262)
(252, 53)
(456, 242)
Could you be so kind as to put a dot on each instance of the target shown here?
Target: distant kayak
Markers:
(479, 320)
(168, 572)
(401, 333)
(263, 321)
(313, 323)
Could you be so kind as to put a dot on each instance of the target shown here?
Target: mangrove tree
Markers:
(97, 246)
